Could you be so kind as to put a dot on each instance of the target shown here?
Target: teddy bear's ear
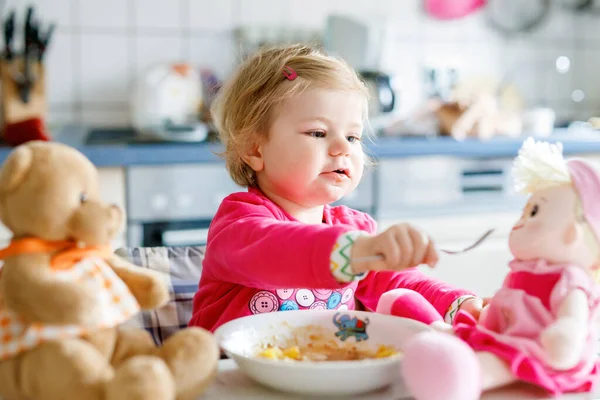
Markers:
(15, 168)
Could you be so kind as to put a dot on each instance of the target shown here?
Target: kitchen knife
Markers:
(9, 32)
(27, 84)
(43, 41)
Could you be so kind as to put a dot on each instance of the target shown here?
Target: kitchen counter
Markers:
(124, 151)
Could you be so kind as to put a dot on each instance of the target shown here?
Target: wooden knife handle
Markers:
(13, 108)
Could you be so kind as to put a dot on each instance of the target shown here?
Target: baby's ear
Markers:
(15, 168)
(253, 157)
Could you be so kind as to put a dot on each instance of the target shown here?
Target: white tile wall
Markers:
(101, 46)
(587, 80)
(63, 114)
(211, 15)
(153, 49)
(103, 14)
(261, 12)
(308, 13)
(157, 14)
(60, 72)
(105, 62)
(60, 11)
(217, 51)
(116, 117)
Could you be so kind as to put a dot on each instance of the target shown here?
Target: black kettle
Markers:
(383, 98)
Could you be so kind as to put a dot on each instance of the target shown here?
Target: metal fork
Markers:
(459, 251)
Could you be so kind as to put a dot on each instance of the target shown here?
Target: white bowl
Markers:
(243, 338)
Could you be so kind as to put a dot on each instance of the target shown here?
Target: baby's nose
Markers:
(340, 146)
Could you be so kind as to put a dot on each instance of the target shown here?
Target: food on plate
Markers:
(313, 343)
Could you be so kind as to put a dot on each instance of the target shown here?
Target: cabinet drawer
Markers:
(170, 192)
(422, 181)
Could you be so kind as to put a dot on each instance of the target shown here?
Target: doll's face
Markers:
(549, 229)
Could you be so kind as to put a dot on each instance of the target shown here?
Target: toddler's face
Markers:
(313, 155)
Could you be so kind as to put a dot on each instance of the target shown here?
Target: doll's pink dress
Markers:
(526, 304)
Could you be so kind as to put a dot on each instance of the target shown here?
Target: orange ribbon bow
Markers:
(67, 253)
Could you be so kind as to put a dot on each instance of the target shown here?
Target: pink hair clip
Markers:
(289, 73)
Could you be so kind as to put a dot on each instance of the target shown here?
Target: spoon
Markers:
(459, 251)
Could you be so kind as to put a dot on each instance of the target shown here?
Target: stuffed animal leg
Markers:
(407, 303)
(438, 366)
(187, 354)
(190, 354)
(74, 369)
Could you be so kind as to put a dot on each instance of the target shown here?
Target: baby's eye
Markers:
(317, 134)
(534, 210)
(353, 139)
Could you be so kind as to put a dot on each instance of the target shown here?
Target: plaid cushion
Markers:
(180, 268)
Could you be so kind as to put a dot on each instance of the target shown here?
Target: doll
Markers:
(540, 326)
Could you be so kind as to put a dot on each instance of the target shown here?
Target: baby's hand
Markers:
(475, 306)
(402, 246)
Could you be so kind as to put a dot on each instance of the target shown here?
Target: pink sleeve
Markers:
(250, 246)
(439, 294)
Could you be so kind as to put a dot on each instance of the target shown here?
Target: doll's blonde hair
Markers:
(541, 165)
(243, 109)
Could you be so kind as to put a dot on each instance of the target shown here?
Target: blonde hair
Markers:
(541, 165)
(243, 109)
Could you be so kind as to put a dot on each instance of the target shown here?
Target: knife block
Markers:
(14, 110)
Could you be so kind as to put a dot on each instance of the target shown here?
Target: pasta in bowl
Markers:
(319, 352)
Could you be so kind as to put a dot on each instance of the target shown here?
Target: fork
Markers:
(459, 251)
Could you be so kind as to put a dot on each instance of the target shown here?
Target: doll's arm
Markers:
(145, 285)
(436, 292)
(565, 338)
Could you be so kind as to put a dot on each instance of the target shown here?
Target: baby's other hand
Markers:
(474, 306)
(402, 246)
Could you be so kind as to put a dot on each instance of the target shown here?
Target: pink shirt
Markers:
(260, 259)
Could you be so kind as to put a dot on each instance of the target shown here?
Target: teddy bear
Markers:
(64, 296)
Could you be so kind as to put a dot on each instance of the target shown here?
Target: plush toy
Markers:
(481, 108)
(63, 295)
(540, 326)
